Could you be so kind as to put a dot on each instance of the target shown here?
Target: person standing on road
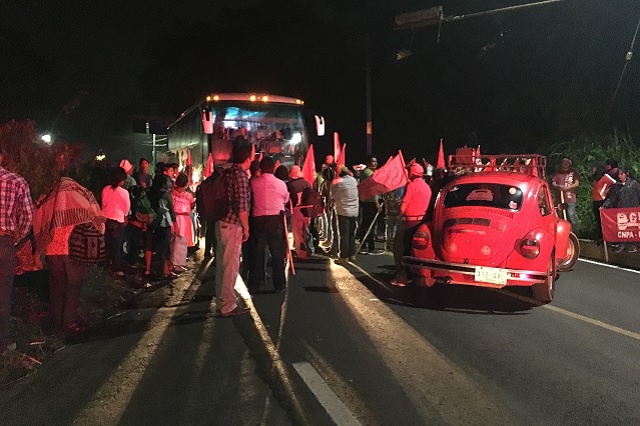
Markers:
(566, 181)
(392, 201)
(370, 207)
(412, 211)
(345, 195)
(270, 196)
(624, 194)
(116, 204)
(183, 203)
(16, 217)
(232, 231)
(299, 223)
(143, 177)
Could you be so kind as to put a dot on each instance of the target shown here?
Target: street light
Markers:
(46, 138)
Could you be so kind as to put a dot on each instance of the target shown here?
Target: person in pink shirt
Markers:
(115, 207)
(269, 195)
(412, 210)
(183, 203)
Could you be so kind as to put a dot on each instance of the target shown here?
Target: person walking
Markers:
(370, 208)
(347, 205)
(115, 207)
(624, 194)
(232, 231)
(270, 196)
(412, 211)
(16, 217)
(566, 181)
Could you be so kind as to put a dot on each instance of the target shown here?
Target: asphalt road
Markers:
(342, 346)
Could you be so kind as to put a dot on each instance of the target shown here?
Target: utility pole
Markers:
(367, 65)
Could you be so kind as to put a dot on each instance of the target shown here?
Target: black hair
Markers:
(612, 163)
(241, 153)
(267, 165)
(141, 160)
(175, 165)
(117, 175)
(159, 168)
(369, 158)
(282, 173)
(182, 180)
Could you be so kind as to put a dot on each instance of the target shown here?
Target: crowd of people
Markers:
(138, 218)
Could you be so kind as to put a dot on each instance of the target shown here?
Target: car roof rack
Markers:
(466, 160)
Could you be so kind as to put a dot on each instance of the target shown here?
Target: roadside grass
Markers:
(32, 321)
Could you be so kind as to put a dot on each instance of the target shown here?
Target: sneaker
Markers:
(237, 311)
(616, 248)
(341, 261)
(631, 249)
(376, 252)
(364, 251)
(352, 258)
(397, 283)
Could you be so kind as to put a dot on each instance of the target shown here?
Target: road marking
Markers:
(595, 262)
(594, 322)
(339, 413)
(570, 314)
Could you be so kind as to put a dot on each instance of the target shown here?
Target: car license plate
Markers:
(491, 275)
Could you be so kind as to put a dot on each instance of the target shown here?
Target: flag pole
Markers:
(286, 238)
(368, 232)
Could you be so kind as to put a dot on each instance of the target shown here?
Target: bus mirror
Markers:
(207, 122)
(319, 125)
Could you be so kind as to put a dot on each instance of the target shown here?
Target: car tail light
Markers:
(530, 249)
(421, 240)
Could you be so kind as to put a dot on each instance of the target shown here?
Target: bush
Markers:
(587, 152)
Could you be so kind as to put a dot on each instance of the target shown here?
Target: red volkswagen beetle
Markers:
(495, 225)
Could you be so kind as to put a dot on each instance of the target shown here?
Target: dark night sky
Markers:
(511, 81)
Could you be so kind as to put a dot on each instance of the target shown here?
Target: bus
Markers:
(277, 126)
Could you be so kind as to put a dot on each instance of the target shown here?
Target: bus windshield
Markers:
(274, 129)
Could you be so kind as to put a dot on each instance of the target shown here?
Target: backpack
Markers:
(212, 198)
(311, 197)
(87, 244)
(143, 210)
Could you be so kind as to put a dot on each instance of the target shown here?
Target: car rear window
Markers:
(506, 197)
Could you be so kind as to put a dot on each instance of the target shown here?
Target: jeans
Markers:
(572, 216)
(7, 272)
(268, 231)
(114, 239)
(369, 211)
(228, 248)
(347, 227)
(392, 227)
(402, 246)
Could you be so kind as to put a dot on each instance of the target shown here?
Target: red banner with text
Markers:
(621, 225)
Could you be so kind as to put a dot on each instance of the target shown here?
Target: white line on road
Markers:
(339, 413)
(609, 266)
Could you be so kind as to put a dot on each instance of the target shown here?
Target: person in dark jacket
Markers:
(624, 194)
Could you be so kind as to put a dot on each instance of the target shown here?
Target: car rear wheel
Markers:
(573, 252)
(545, 291)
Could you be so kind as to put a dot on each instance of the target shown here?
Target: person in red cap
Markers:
(412, 210)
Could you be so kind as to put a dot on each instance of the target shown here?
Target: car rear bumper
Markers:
(464, 274)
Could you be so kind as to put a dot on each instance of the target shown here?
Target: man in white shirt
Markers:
(269, 195)
(345, 195)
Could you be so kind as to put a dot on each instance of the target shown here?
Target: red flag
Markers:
(309, 167)
(208, 170)
(440, 163)
(341, 161)
(391, 176)
(336, 146)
